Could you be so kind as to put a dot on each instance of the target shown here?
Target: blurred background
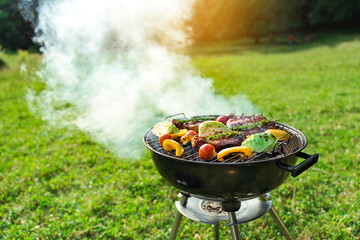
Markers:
(252, 21)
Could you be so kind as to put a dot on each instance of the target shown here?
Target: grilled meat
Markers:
(236, 123)
(254, 128)
(242, 122)
(222, 141)
(192, 123)
(219, 143)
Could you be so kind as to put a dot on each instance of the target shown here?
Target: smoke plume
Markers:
(109, 69)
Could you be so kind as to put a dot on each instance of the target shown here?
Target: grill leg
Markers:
(234, 229)
(176, 225)
(277, 219)
(217, 231)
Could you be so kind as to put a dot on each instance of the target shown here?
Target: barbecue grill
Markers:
(234, 180)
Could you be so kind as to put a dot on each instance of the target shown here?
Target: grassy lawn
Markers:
(60, 184)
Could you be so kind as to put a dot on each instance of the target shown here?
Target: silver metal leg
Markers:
(234, 229)
(217, 231)
(176, 225)
(277, 219)
(280, 224)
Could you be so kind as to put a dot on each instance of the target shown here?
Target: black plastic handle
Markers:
(301, 167)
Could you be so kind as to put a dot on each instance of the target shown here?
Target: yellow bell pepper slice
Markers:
(243, 149)
(170, 145)
(179, 134)
(279, 134)
(186, 138)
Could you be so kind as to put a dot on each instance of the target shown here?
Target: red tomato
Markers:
(163, 137)
(191, 133)
(207, 151)
(229, 121)
(223, 119)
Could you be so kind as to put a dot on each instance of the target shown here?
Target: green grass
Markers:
(60, 184)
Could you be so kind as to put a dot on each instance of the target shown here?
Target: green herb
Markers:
(196, 119)
(221, 135)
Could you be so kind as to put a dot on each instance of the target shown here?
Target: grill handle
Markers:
(175, 115)
(301, 167)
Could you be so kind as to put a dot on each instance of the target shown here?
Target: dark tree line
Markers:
(232, 19)
(220, 20)
(15, 32)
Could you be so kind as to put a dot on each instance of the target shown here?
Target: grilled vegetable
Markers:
(170, 145)
(207, 152)
(164, 127)
(279, 134)
(163, 137)
(188, 136)
(210, 128)
(260, 142)
(191, 133)
(228, 122)
(223, 119)
(172, 129)
(241, 149)
(192, 123)
(185, 139)
(179, 134)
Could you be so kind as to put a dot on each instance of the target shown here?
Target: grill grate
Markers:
(284, 148)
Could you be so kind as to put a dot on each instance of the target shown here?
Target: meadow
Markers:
(57, 184)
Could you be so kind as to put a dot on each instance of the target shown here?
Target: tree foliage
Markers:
(334, 11)
(15, 31)
(217, 20)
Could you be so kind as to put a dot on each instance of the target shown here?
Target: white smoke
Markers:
(109, 70)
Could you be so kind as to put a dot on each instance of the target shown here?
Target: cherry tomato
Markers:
(191, 133)
(163, 137)
(223, 119)
(229, 121)
(207, 151)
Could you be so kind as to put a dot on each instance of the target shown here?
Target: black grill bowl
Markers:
(229, 181)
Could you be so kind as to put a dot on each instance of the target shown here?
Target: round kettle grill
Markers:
(232, 181)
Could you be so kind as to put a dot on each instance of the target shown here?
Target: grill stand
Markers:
(233, 222)
(176, 224)
(235, 212)
(277, 219)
